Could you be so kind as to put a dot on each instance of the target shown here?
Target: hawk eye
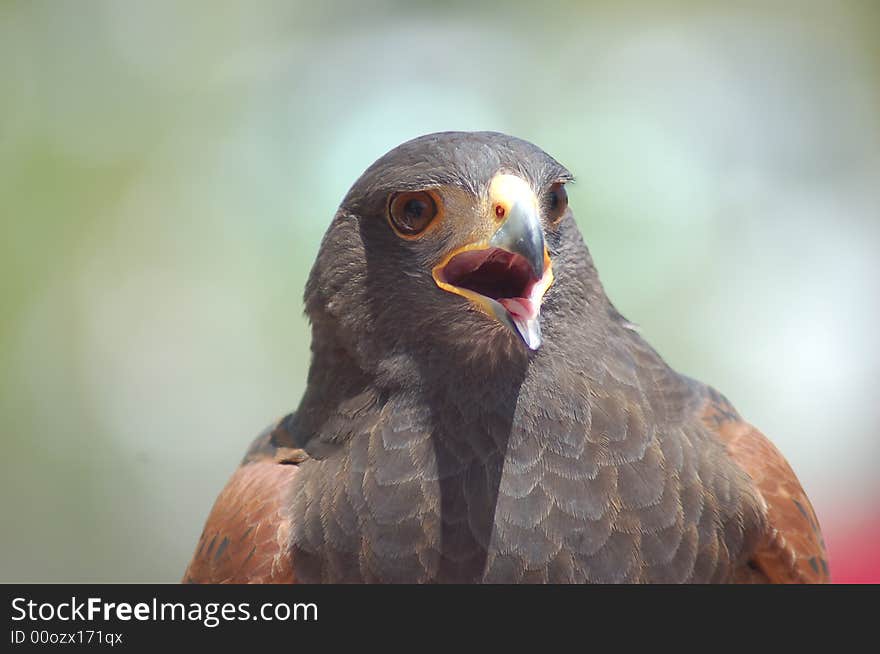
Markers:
(557, 202)
(412, 212)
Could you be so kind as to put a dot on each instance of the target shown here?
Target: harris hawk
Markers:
(478, 411)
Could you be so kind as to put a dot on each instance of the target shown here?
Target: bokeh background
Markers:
(167, 171)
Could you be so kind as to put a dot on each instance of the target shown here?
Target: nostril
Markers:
(499, 211)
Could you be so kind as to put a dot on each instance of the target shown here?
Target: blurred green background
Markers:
(167, 171)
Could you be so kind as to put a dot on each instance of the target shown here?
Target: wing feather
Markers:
(792, 549)
(246, 538)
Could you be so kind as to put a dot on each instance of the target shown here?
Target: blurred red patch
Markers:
(854, 551)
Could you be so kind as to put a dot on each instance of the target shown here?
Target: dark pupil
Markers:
(554, 200)
(413, 211)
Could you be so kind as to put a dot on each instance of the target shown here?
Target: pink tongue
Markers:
(520, 307)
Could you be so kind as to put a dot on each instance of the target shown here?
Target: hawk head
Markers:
(450, 244)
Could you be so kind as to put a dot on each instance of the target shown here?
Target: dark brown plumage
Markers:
(478, 411)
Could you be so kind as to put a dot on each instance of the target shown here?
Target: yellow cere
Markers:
(506, 190)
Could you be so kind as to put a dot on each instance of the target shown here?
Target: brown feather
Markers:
(246, 538)
(792, 549)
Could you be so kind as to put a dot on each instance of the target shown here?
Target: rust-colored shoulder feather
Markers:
(792, 550)
(246, 538)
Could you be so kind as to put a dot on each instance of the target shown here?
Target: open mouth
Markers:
(496, 274)
(503, 283)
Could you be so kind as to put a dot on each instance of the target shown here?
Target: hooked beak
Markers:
(508, 275)
(521, 234)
